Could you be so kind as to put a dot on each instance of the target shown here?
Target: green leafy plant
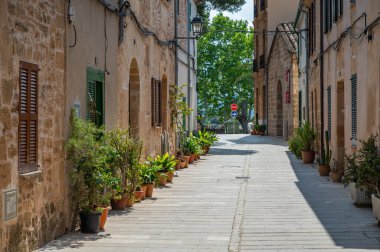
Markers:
(189, 146)
(166, 162)
(326, 153)
(352, 169)
(133, 160)
(369, 165)
(295, 145)
(88, 171)
(148, 173)
(307, 136)
(179, 107)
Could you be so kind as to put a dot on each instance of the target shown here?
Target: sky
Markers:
(245, 13)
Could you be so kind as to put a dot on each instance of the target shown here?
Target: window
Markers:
(300, 108)
(354, 109)
(312, 30)
(329, 111)
(262, 5)
(328, 15)
(28, 117)
(262, 61)
(156, 103)
(95, 96)
(312, 108)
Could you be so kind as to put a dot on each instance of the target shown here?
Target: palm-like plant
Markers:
(307, 136)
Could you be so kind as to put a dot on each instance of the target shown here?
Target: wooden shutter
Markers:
(329, 110)
(91, 101)
(340, 7)
(300, 108)
(354, 106)
(328, 15)
(156, 103)
(28, 117)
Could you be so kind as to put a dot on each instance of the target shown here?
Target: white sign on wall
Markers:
(10, 204)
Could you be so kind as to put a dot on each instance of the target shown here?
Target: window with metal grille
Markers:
(354, 106)
(28, 117)
(329, 110)
(156, 103)
(254, 67)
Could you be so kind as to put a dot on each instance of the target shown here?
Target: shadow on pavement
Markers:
(73, 240)
(227, 152)
(349, 227)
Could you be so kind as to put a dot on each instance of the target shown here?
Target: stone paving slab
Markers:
(249, 194)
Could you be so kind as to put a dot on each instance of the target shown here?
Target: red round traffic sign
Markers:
(234, 107)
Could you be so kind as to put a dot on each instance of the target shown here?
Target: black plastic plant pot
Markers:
(89, 222)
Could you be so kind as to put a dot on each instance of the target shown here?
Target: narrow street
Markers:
(249, 194)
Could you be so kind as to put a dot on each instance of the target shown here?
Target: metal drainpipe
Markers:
(176, 58)
(307, 63)
(321, 76)
(188, 64)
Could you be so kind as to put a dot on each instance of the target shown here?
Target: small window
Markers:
(329, 110)
(28, 117)
(354, 109)
(156, 103)
(95, 96)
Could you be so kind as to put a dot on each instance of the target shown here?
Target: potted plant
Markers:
(353, 179)
(118, 144)
(336, 172)
(148, 174)
(262, 128)
(134, 152)
(295, 145)
(190, 146)
(307, 136)
(369, 177)
(87, 173)
(138, 194)
(324, 160)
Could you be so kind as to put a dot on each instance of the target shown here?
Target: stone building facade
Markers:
(283, 82)
(267, 16)
(59, 55)
(32, 119)
(351, 57)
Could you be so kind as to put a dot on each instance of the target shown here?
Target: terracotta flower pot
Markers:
(103, 217)
(195, 157)
(149, 190)
(192, 158)
(262, 133)
(335, 176)
(119, 204)
(130, 201)
(308, 156)
(324, 170)
(182, 164)
(178, 165)
(138, 195)
(205, 150)
(170, 176)
(187, 159)
(162, 178)
(143, 188)
(198, 157)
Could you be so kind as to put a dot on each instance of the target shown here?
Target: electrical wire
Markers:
(75, 36)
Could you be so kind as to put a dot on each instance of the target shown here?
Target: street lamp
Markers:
(197, 25)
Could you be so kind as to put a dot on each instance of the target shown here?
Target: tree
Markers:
(225, 70)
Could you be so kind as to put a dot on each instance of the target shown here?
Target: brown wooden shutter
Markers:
(153, 101)
(159, 103)
(156, 103)
(28, 117)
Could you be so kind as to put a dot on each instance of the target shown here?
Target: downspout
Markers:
(321, 77)
(307, 63)
(177, 138)
(188, 63)
(266, 96)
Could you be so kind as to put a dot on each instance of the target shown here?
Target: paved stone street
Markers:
(249, 194)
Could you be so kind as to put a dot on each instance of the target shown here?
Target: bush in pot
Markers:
(325, 158)
(148, 174)
(87, 174)
(262, 128)
(134, 153)
(352, 178)
(295, 145)
(369, 171)
(307, 136)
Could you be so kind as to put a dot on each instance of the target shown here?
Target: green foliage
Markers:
(307, 136)
(88, 173)
(295, 145)
(179, 107)
(166, 163)
(369, 165)
(326, 153)
(133, 174)
(190, 145)
(148, 173)
(206, 138)
(225, 71)
(352, 171)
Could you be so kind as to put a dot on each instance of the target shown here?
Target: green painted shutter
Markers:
(354, 106)
(329, 110)
(90, 100)
(99, 94)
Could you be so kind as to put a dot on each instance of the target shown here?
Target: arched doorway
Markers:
(134, 99)
(279, 117)
(165, 103)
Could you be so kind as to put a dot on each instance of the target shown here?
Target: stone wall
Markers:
(33, 31)
(283, 116)
(150, 60)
